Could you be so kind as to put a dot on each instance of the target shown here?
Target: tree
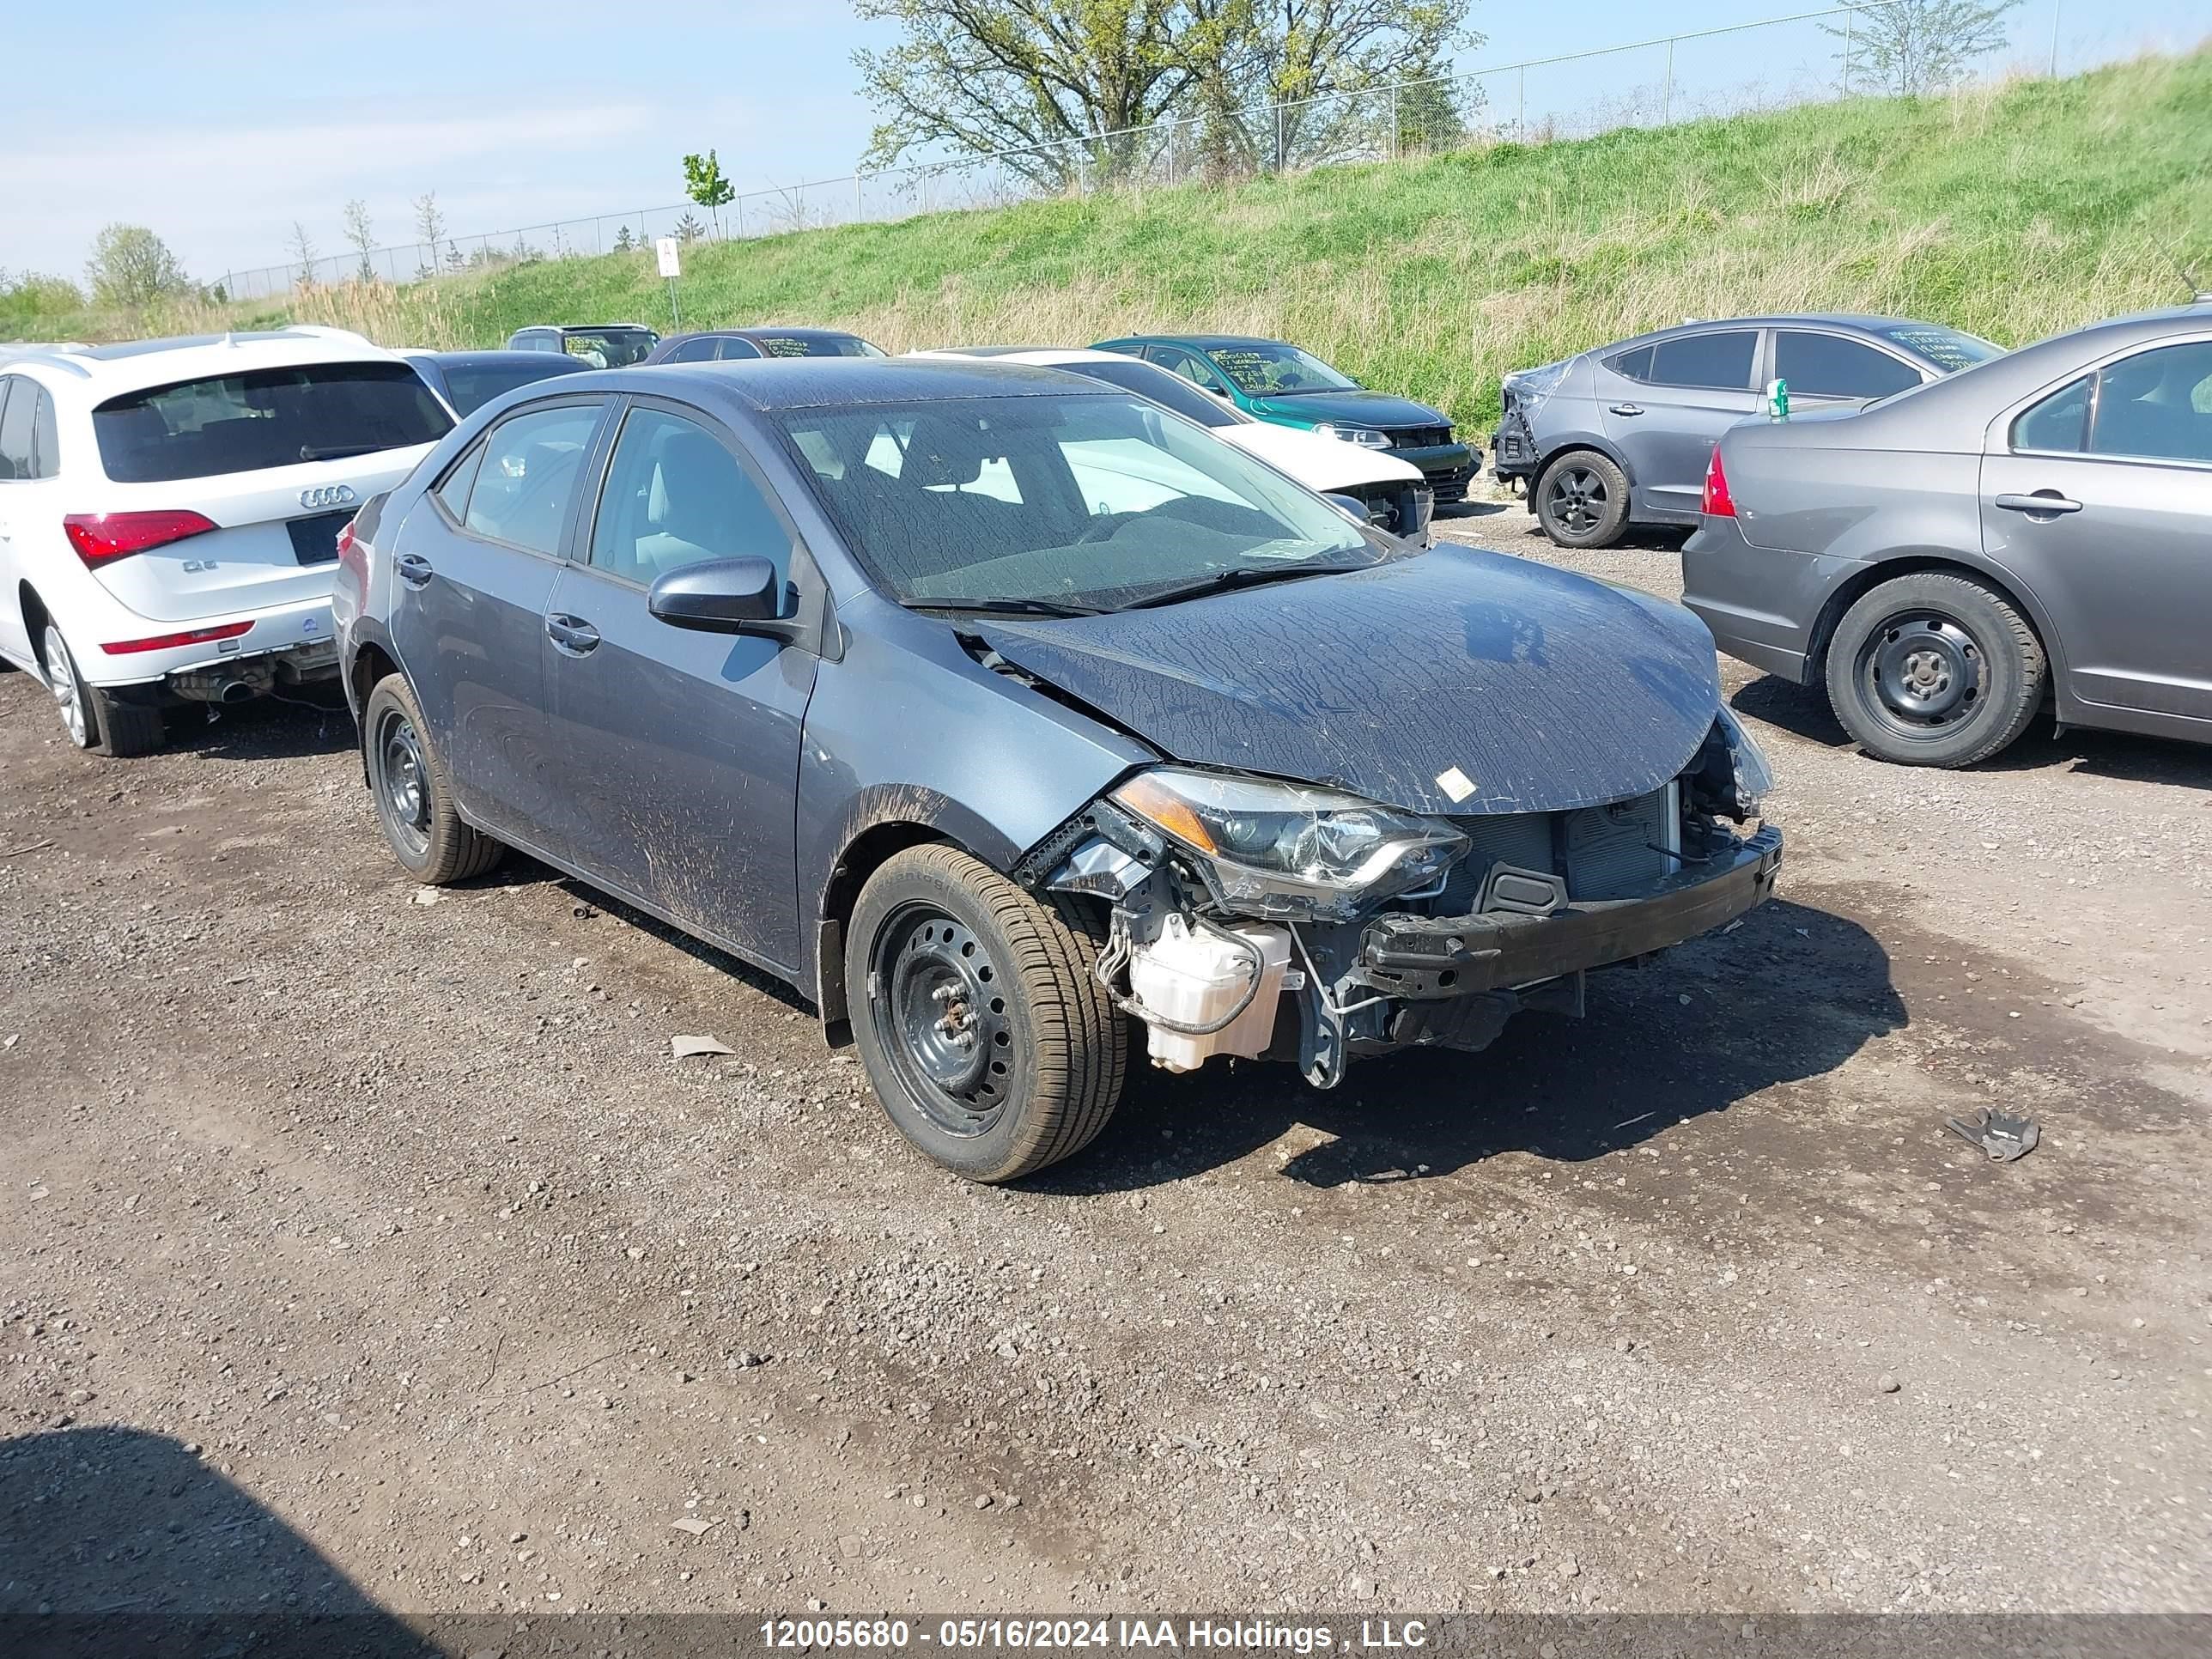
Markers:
(301, 247)
(362, 235)
(132, 266)
(1915, 47)
(429, 230)
(1061, 82)
(688, 230)
(623, 240)
(704, 184)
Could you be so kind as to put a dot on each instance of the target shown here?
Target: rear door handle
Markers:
(2042, 501)
(413, 569)
(1626, 409)
(572, 637)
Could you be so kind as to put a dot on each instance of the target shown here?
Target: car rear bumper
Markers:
(1762, 604)
(1432, 958)
(290, 642)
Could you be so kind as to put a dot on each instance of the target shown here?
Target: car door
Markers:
(18, 396)
(473, 568)
(2097, 495)
(1665, 405)
(680, 750)
(1826, 370)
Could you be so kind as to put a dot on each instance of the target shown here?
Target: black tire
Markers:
(1581, 499)
(1934, 669)
(1025, 1065)
(407, 785)
(91, 719)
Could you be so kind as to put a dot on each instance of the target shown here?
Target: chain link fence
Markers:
(1804, 60)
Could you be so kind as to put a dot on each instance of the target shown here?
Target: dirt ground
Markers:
(357, 1247)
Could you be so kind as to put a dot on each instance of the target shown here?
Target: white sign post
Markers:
(672, 267)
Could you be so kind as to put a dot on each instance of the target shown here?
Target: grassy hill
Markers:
(2013, 212)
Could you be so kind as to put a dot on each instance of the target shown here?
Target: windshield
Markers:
(813, 345)
(1266, 366)
(609, 347)
(266, 418)
(1086, 503)
(1157, 385)
(475, 385)
(1946, 348)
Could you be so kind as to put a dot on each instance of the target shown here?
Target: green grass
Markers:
(2013, 212)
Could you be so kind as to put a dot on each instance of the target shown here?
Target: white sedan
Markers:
(1395, 492)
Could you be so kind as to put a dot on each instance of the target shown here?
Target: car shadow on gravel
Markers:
(266, 729)
(1792, 994)
(120, 1543)
(1804, 712)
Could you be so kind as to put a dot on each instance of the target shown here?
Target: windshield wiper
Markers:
(335, 451)
(1018, 607)
(1222, 580)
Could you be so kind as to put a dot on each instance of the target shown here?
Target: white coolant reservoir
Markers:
(1194, 977)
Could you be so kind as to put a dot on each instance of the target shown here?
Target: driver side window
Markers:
(675, 496)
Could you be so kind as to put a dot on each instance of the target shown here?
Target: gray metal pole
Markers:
(1666, 102)
(1521, 120)
(1850, 21)
(2055, 9)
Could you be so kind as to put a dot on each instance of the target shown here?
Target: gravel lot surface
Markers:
(357, 1245)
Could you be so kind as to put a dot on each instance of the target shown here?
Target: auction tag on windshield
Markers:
(1455, 783)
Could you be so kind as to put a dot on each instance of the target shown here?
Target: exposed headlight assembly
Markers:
(1754, 777)
(1268, 848)
(1365, 436)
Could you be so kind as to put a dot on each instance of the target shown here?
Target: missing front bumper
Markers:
(1423, 957)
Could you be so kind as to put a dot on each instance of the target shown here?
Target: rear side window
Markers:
(1829, 366)
(2155, 406)
(16, 413)
(2060, 423)
(737, 349)
(1716, 363)
(45, 439)
(692, 351)
(266, 417)
(527, 480)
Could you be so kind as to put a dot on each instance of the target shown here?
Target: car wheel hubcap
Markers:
(1925, 673)
(61, 680)
(940, 1008)
(403, 776)
(1578, 501)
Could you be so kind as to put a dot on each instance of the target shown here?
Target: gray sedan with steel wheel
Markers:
(2031, 532)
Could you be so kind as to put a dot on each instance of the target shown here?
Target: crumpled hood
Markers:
(1547, 690)
(1351, 408)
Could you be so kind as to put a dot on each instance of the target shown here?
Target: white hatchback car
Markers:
(170, 512)
(1395, 493)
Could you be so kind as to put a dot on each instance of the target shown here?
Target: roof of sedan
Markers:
(493, 358)
(775, 383)
(1213, 341)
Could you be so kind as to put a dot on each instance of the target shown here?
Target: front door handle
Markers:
(413, 569)
(1626, 409)
(2042, 503)
(572, 637)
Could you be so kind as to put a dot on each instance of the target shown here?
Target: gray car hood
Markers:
(1544, 690)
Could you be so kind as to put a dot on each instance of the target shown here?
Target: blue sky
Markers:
(219, 123)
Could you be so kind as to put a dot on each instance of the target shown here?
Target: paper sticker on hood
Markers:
(1543, 689)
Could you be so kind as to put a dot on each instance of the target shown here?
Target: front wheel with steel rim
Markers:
(1934, 669)
(407, 785)
(988, 1039)
(1581, 499)
(95, 718)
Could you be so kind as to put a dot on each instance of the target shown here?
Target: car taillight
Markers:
(103, 538)
(1719, 503)
(169, 642)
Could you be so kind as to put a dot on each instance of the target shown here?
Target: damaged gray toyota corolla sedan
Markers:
(997, 709)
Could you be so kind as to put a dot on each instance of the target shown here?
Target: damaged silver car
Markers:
(855, 670)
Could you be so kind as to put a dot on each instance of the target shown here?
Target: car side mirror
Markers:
(719, 596)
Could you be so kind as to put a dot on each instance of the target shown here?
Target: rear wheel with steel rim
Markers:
(1581, 499)
(93, 719)
(1934, 669)
(407, 785)
(989, 1043)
